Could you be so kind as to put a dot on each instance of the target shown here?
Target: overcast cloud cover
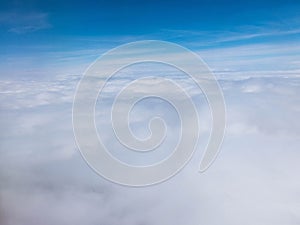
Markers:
(255, 179)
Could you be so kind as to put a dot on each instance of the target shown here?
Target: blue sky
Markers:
(98, 18)
(37, 36)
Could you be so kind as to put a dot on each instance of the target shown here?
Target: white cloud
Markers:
(253, 181)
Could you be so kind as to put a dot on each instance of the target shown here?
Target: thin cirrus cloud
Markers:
(240, 34)
(24, 22)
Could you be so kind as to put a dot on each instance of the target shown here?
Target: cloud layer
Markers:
(44, 180)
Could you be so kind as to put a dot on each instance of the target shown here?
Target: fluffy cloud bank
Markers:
(44, 180)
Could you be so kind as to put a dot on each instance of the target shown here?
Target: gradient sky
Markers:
(39, 36)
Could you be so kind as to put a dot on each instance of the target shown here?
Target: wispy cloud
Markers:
(235, 34)
(20, 23)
